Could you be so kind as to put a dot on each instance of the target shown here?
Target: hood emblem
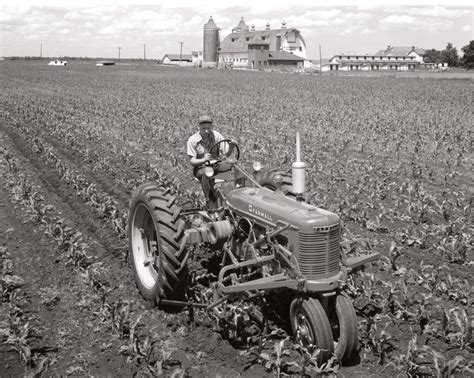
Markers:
(260, 213)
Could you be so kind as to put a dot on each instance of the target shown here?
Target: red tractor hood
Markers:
(269, 208)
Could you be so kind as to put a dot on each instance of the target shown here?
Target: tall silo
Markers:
(211, 44)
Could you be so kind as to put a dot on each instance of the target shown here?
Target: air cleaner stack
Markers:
(298, 171)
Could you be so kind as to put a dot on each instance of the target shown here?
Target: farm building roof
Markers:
(283, 55)
(238, 41)
(185, 57)
(400, 51)
(242, 26)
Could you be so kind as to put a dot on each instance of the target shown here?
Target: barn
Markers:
(178, 59)
(247, 47)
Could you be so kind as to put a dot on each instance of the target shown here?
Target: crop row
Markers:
(75, 249)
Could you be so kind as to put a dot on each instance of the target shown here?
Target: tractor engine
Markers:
(311, 234)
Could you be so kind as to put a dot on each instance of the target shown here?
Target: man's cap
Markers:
(205, 119)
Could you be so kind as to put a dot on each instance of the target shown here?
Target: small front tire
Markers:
(311, 327)
(343, 320)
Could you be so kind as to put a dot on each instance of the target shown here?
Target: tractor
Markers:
(269, 239)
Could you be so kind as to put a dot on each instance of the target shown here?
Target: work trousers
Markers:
(207, 183)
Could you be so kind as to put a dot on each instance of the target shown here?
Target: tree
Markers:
(450, 55)
(468, 57)
(433, 56)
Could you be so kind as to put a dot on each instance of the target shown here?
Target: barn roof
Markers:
(187, 57)
(242, 26)
(243, 38)
(400, 51)
(283, 55)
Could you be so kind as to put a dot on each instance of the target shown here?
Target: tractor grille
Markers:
(319, 252)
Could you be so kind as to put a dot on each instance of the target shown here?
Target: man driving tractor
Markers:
(199, 147)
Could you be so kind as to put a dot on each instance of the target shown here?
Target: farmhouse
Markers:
(392, 58)
(184, 60)
(247, 47)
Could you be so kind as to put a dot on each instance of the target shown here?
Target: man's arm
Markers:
(192, 153)
(196, 161)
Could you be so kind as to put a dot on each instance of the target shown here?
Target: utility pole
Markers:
(320, 62)
(144, 52)
(181, 51)
(119, 51)
(41, 50)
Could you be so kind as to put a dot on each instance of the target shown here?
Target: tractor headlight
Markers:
(209, 171)
(257, 166)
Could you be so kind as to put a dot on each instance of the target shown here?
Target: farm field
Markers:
(392, 157)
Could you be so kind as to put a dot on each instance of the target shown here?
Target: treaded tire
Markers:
(155, 233)
(267, 180)
(311, 327)
(344, 325)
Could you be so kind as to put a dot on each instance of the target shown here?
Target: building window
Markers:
(247, 39)
(357, 57)
(389, 58)
(233, 39)
(373, 58)
(263, 38)
(301, 49)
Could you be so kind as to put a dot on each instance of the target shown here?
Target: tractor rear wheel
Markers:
(267, 180)
(155, 232)
(311, 327)
(343, 320)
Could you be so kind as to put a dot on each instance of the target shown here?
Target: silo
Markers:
(211, 44)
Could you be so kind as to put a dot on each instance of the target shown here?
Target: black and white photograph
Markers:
(229, 188)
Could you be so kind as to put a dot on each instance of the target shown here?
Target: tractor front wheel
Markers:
(311, 326)
(155, 232)
(343, 320)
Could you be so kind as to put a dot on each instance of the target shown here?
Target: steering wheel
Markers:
(225, 149)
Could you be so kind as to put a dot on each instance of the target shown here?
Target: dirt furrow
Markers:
(180, 343)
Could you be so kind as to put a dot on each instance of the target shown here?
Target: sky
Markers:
(152, 29)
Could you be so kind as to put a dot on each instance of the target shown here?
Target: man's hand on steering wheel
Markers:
(229, 146)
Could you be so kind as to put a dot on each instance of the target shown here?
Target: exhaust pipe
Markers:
(298, 172)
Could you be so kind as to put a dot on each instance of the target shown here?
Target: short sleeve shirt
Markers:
(196, 146)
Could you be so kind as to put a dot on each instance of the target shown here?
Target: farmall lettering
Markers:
(260, 213)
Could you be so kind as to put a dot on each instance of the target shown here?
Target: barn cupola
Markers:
(242, 26)
(252, 28)
(267, 27)
(283, 25)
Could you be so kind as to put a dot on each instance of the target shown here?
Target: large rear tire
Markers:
(311, 327)
(155, 232)
(344, 325)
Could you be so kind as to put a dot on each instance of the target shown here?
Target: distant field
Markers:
(393, 158)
